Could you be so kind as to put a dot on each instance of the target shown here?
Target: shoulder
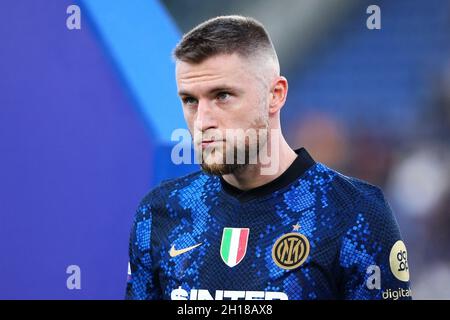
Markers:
(365, 215)
(160, 194)
(355, 198)
(353, 191)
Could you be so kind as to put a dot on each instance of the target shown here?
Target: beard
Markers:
(232, 156)
(221, 167)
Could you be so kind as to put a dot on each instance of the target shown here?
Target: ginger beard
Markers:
(243, 149)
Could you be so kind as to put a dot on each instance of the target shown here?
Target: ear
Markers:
(278, 94)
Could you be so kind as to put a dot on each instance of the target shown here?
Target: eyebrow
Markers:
(210, 92)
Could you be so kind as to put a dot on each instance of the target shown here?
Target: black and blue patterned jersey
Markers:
(312, 233)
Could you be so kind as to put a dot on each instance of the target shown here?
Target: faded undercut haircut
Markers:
(225, 35)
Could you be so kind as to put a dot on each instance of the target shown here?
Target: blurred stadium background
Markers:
(86, 118)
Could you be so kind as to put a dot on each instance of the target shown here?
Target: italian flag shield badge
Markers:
(234, 245)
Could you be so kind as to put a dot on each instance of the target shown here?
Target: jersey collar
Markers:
(301, 164)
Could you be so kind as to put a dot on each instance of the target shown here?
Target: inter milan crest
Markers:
(290, 250)
(234, 245)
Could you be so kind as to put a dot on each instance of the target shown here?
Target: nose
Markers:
(206, 119)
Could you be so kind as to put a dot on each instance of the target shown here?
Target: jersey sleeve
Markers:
(141, 282)
(373, 258)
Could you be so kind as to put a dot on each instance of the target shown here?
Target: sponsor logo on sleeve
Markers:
(398, 261)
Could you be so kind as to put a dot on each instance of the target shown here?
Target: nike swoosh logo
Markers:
(173, 252)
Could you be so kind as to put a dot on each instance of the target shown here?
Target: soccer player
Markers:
(288, 228)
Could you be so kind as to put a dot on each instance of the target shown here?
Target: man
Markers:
(247, 228)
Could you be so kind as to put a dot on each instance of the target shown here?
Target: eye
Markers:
(189, 101)
(223, 96)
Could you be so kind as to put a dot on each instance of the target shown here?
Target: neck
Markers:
(250, 176)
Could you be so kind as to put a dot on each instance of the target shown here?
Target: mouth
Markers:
(206, 143)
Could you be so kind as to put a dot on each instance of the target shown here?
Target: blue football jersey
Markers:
(312, 233)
